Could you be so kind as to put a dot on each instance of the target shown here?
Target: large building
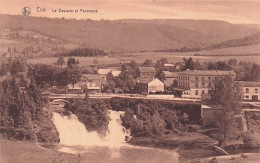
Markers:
(193, 83)
(251, 90)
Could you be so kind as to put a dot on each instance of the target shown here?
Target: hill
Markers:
(130, 35)
(245, 41)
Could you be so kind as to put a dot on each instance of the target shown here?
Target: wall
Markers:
(248, 96)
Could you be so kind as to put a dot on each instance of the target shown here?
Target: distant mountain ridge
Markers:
(245, 41)
(130, 35)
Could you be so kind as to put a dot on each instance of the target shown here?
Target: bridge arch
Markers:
(60, 100)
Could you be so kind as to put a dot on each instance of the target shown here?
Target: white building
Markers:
(251, 90)
(149, 85)
(194, 84)
(155, 85)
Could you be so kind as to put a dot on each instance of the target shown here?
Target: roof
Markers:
(104, 71)
(169, 74)
(206, 73)
(249, 83)
(168, 65)
(116, 73)
(143, 80)
(146, 80)
(168, 81)
(147, 69)
(93, 76)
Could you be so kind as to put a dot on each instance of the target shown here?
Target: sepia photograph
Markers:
(129, 81)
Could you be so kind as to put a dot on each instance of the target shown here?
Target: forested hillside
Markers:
(131, 35)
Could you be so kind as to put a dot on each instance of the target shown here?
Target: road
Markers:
(111, 95)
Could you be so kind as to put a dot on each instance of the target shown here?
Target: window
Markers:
(247, 90)
(203, 85)
(256, 90)
(203, 92)
(196, 85)
(196, 78)
(196, 92)
(209, 85)
(209, 78)
(247, 96)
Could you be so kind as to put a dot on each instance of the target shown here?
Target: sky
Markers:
(233, 11)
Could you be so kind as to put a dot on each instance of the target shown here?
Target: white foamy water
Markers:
(73, 132)
(75, 139)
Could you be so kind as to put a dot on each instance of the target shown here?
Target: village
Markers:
(166, 82)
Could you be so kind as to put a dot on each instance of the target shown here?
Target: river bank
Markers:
(195, 147)
(15, 151)
(190, 146)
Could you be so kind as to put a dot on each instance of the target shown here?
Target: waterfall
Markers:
(73, 132)
(116, 134)
(75, 139)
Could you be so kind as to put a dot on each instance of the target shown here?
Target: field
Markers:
(172, 57)
(83, 61)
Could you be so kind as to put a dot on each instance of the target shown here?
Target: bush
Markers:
(251, 140)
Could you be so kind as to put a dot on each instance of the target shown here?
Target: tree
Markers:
(18, 65)
(72, 62)
(148, 63)
(60, 61)
(133, 65)
(222, 65)
(158, 65)
(160, 75)
(188, 64)
(226, 95)
(95, 61)
(254, 72)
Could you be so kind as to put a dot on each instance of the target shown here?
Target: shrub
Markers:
(251, 140)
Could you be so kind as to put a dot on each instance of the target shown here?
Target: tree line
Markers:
(83, 52)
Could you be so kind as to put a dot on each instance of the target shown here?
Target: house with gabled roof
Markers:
(93, 82)
(149, 85)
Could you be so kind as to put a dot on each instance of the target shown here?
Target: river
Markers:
(75, 139)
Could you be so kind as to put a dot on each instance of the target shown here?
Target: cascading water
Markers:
(116, 134)
(75, 139)
(73, 132)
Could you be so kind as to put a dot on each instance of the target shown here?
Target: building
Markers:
(149, 85)
(169, 78)
(104, 71)
(193, 84)
(115, 73)
(146, 72)
(251, 90)
(76, 88)
(93, 82)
